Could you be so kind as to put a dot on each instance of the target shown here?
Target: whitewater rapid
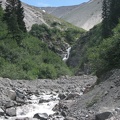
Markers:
(34, 106)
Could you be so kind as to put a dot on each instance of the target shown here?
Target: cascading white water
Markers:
(30, 110)
(66, 56)
(33, 106)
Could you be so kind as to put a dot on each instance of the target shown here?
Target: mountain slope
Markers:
(59, 40)
(34, 15)
(85, 15)
(27, 57)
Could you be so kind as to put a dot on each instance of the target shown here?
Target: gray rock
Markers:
(117, 110)
(56, 107)
(9, 104)
(43, 101)
(20, 94)
(41, 116)
(23, 118)
(106, 92)
(12, 94)
(63, 113)
(11, 111)
(62, 96)
(60, 107)
(103, 116)
(70, 118)
(1, 112)
(19, 100)
(1, 103)
(72, 96)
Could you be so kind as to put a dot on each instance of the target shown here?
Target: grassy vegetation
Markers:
(81, 49)
(106, 55)
(57, 38)
(33, 55)
(31, 59)
(56, 33)
(100, 55)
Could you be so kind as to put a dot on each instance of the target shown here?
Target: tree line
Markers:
(110, 15)
(13, 16)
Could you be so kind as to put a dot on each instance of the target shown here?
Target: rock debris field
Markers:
(66, 98)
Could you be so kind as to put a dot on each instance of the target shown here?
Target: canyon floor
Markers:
(80, 98)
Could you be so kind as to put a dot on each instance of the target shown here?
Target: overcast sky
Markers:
(44, 3)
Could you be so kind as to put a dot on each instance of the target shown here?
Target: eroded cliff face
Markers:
(85, 15)
(33, 15)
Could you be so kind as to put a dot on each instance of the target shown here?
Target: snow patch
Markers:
(44, 11)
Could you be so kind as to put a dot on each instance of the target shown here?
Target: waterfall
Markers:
(66, 56)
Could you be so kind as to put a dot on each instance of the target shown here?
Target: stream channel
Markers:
(38, 107)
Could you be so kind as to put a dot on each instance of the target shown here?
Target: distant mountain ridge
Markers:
(85, 15)
(35, 15)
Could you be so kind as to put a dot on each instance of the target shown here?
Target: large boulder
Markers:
(103, 116)
(9, 104)
(11, 111)
(20, 94)
(64, 113)
(62, 96)
(72, 96)
(12, 94)
(43, 101)
(1, 112)
(19, 100)
(41, 116)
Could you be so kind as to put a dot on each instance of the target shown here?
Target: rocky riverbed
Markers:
(19, 99)
(66, 98)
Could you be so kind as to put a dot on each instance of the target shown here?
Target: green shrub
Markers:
(105, 56)
(30, 57)
(47, 71)
(31, 60)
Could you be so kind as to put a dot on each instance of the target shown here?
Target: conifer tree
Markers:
(114, 12)
(3, 27)
(0, 3)
(14, 19)
(110, 15)
(13, 25)
(1, 10)
(106, 19)
(20, 17)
